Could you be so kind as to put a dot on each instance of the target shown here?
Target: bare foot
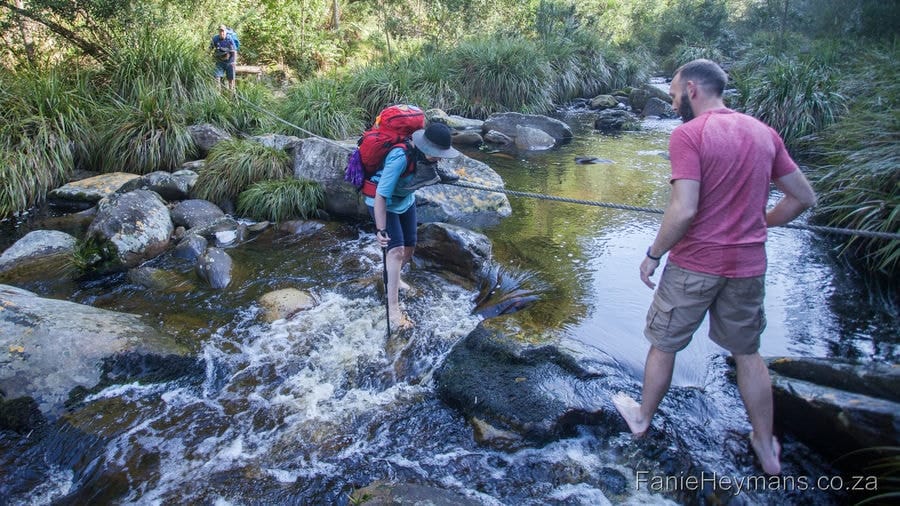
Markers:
(402, 321)
(768, 453)
(631, 412)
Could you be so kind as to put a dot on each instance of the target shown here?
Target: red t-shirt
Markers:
(735, 157)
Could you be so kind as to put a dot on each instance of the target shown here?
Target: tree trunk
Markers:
(335, 15)
(86, 46)
(25, 30)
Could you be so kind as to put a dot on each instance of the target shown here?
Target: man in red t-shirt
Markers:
(714, 229)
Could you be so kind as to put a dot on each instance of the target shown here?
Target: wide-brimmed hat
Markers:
(435, 141)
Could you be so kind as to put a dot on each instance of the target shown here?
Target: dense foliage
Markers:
(113, 84)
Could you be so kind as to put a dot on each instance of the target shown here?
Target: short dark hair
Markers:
(707, 74)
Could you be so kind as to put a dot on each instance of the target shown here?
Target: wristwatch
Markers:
(651, 257)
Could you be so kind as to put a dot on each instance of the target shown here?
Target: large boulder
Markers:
(659, 108)
(169, 186)
(458, 205)
(214, 267)
(506, 122)
(195, 213)
(533, 139)
(87, 192)
(206, 136)
(51, 346)
(836, 406)
(284, 303)
(277, 141)
(36, 247)
(455, 249)
(534, 392)
(129, 228)
(324, 162)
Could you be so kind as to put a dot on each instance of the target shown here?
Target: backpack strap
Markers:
(368, 187)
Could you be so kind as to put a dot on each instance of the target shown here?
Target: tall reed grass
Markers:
(281, 200)
(44, 133)
(858, 179)
(324, 106)
(795, 98)
(145, 135)
(233, 165)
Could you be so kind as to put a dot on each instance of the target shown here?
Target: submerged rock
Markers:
(214, 267)
(533, 139)
(284, 303)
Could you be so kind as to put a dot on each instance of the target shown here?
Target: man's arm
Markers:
(679, 213)
(798, 197)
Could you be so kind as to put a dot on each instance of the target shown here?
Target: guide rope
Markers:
(610, 205)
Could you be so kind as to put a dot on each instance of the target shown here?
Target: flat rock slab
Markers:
(91, 190)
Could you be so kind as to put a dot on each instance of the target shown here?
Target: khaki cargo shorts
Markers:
(682, 299)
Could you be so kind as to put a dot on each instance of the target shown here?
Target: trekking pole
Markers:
(387, 303)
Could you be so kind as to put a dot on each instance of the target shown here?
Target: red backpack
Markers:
(392, 128)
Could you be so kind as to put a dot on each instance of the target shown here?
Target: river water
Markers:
(305, 410)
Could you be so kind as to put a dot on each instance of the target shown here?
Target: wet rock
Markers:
(658, 108)
(533, 139)
(88, 192)
(488, 435)
(195, 213)
(191, 247)
(159, 280)
(467, 138)
(36, 247)
(129, 228)
(614, 120)
(537, 391)
(453, 248)
(604, 102)
(206, 136)
(277, 141)
(300, 227)
(214, 267)
(383, 493)
(192, 166)
(213, 231)
(325, 161)
(258, 226)
(168, 186)
(50, 346)
(837, 407)
(591, 160)
(495, 137)
(506, 122)
(285, 303)
(20, 415)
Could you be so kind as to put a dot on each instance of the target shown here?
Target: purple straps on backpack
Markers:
(354, 173)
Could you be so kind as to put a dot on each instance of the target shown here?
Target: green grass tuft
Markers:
(281, 200)
(233, 165)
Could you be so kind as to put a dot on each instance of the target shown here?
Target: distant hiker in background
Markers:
(224, 46)
(393, 205)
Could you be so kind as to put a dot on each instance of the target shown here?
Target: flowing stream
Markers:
(305, 410)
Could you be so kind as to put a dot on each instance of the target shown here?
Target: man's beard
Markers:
(684, 108)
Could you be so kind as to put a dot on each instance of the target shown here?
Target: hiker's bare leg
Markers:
(407, 257)
(756, 391)
(657, 378)
(394, 262)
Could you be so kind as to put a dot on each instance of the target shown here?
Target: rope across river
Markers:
(610, 205)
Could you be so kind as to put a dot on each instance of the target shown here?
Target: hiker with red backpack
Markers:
(224, 46)
(413, 151)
